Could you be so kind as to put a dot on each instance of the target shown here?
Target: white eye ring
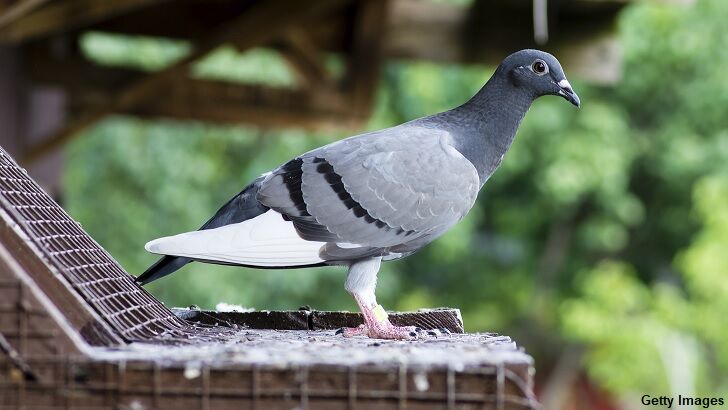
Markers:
(540, 67)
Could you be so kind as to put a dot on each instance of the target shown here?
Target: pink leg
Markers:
(377, 325)
(361, 283)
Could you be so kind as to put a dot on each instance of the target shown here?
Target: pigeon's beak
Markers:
(568, 93)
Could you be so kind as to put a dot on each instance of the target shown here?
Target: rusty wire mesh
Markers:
(149, 385)
(132, 312)
(223, 377)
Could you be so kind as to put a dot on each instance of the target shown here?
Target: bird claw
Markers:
(391, 332)
(352, 331)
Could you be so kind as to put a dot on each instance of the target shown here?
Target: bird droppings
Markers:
(229, 307)
(192, 370)
(134, 405)
(302, 348)
(421, 382)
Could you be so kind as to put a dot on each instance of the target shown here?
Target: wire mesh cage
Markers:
(77, 332)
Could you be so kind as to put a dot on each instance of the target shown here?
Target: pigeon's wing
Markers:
(375, 190)
(363, 196)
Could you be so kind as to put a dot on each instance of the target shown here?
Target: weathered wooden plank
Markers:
(61, 15)
(263, 319)
(441, 318)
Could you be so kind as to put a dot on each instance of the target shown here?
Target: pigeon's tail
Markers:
(163, 267)
(241, 207)
(266, 241)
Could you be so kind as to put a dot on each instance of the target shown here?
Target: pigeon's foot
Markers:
(384, 331)
(378, 326)
(392, 332)
(360, 282)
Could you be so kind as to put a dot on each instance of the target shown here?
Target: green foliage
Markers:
(138, 52)
(613, 316)
(256, 65)
(665, 332)
(639, 333)
(605, 226)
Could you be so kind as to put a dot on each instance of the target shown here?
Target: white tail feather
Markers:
(266, 240)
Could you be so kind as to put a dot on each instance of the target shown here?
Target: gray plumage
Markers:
(389, 193)
(384, 191)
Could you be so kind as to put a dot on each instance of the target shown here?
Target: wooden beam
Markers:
(365, 59)
(258, 25)
(251, 114)
(90, 85)
(11, 97)
(18, 9)
(223, 93)
(440, 318)
(581, 34)
(306, 58)
(70, 70)
(217, 101)
(28, 112)
(61, 15)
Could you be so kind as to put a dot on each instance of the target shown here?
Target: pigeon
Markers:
(373, 197)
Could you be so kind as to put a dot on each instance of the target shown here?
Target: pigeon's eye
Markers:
(539, 67)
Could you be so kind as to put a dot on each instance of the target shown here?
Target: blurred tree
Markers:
(654, 320)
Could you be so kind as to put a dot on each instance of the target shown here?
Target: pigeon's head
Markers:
(540, 72)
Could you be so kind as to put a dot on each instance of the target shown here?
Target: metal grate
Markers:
(108, 385)
(86, 266)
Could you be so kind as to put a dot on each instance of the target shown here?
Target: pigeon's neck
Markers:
(488, 122)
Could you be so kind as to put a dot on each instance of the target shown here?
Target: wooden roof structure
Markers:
(77, 332)
(40, 38)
